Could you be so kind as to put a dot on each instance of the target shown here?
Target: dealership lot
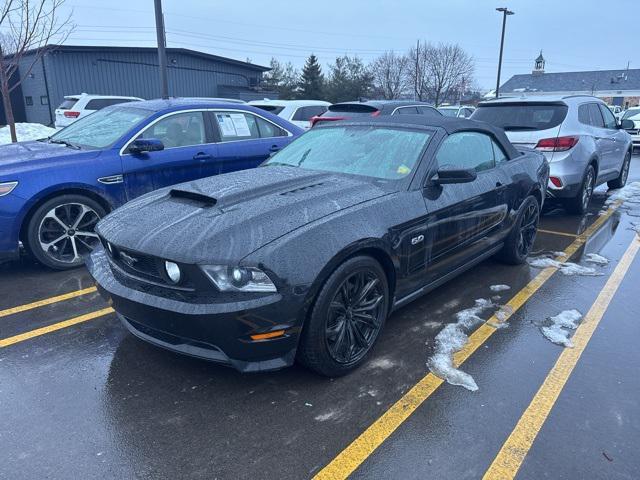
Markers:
(82, 398)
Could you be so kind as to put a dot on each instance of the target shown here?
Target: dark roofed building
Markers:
(128, 71)
(616, 87)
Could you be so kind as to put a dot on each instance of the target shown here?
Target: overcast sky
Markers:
(573, 35)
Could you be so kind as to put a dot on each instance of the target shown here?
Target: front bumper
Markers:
(10, 210)
(218, 332)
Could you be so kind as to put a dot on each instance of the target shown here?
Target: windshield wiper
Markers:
(64, 142)
(279, 164)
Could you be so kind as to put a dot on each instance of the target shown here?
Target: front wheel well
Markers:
(67, 191)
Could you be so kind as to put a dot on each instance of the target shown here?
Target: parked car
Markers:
(461, 111)
(298, 112)
(633, 115)
(53, 191)
(579, 135)
(74, 107)
(374, 108)
(616, 110)
(306, 256)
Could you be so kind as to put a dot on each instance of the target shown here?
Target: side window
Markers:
(268, 129)
(428, 111)
(179, 130)
(583, 114)
(609, 119)
(466, 150)
(595, 115)
(498, 153)
(406, 111)
(235, 126)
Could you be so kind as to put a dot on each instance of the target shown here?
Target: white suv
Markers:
(77, 106)
(298, 112)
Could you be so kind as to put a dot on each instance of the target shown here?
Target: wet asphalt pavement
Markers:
(91, 401)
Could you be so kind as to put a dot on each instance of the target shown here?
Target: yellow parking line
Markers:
(368, 441)
(5, 342)
(515, 449)
(46, 301)
(556, 232)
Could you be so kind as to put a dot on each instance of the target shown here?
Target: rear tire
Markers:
(61, 231)
(346, 319)
(523, 233)
(579, 204)
(621, 181)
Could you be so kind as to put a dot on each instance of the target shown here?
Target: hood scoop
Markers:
(205, 200)
(300, 189)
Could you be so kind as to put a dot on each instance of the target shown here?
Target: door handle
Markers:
(500, 186)
(202, 156)
(274, 148)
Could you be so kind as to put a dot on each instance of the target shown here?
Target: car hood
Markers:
(14, 155)
(252, 208)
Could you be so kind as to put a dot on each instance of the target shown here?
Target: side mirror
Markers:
(627, 124)
(144, 145)
(447, 175)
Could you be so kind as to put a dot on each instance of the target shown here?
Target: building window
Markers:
(28, 101)
(44, 100)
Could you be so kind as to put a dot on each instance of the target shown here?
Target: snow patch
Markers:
(323, 417)
(566, 268)
(26, 132)
(597, 259)
(629, 193)
(452, 339)
(382, 363)
(499, 288)
(558, 329)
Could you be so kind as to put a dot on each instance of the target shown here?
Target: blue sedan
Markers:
(53, 191)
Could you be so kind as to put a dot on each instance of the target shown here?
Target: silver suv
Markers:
(580, 137)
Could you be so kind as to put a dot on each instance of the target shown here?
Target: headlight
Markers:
(173, 271)
(239, 279)
(7, 187)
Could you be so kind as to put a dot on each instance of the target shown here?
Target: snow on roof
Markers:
(574, 81)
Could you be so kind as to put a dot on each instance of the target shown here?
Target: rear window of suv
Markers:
(68, 103)
(275, 109)
(349, 110)
(522, 116)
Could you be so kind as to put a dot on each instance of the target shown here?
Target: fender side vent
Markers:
(205, 200)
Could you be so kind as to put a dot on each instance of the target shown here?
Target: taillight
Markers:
(556, 181)
(315, 120)
(71, 114)
(376, 113)
(558, 144)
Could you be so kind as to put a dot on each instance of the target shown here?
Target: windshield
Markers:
(378, 152)
(449, 112)
(632, 112)
(522, 116)
(102, 128)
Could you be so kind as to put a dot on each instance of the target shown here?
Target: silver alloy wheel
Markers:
(66, 232)
(587, 190)
(625, 168)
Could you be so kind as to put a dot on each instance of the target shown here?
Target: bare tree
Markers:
(449, 68)
(29, 25)
(437, 72)
(390, 72)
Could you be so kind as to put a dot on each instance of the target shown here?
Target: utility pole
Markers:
(505, 12)
(415, 87)
(162, 54)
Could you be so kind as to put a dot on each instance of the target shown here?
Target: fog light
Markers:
(173, 271)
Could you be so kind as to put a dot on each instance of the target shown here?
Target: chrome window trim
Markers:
(191, 110)
(414, 106)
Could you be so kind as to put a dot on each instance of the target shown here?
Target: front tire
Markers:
(579, 204)
(621, 181)
(61, 231)
(523, 233)
(346, 319)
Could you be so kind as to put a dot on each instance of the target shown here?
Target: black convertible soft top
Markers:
(448, 124)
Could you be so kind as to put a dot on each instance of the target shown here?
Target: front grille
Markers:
(138, 264)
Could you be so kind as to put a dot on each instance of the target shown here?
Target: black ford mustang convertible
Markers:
(305, 257)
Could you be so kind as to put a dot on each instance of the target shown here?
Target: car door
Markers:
(616, 142)
(188, 153)
(465, 220)
(245, 140)
(605, 144)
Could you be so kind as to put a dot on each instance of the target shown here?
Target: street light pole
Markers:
(505, 12)
(162, 54)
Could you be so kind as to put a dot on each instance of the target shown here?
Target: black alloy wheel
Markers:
(355, 317)
(520, 240)
(347, 317)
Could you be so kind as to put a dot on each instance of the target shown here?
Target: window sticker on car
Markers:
(227, 129)
(240, 124)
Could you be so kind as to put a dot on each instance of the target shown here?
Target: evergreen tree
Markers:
(282, 78)
(312, 80)
(349, 79)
